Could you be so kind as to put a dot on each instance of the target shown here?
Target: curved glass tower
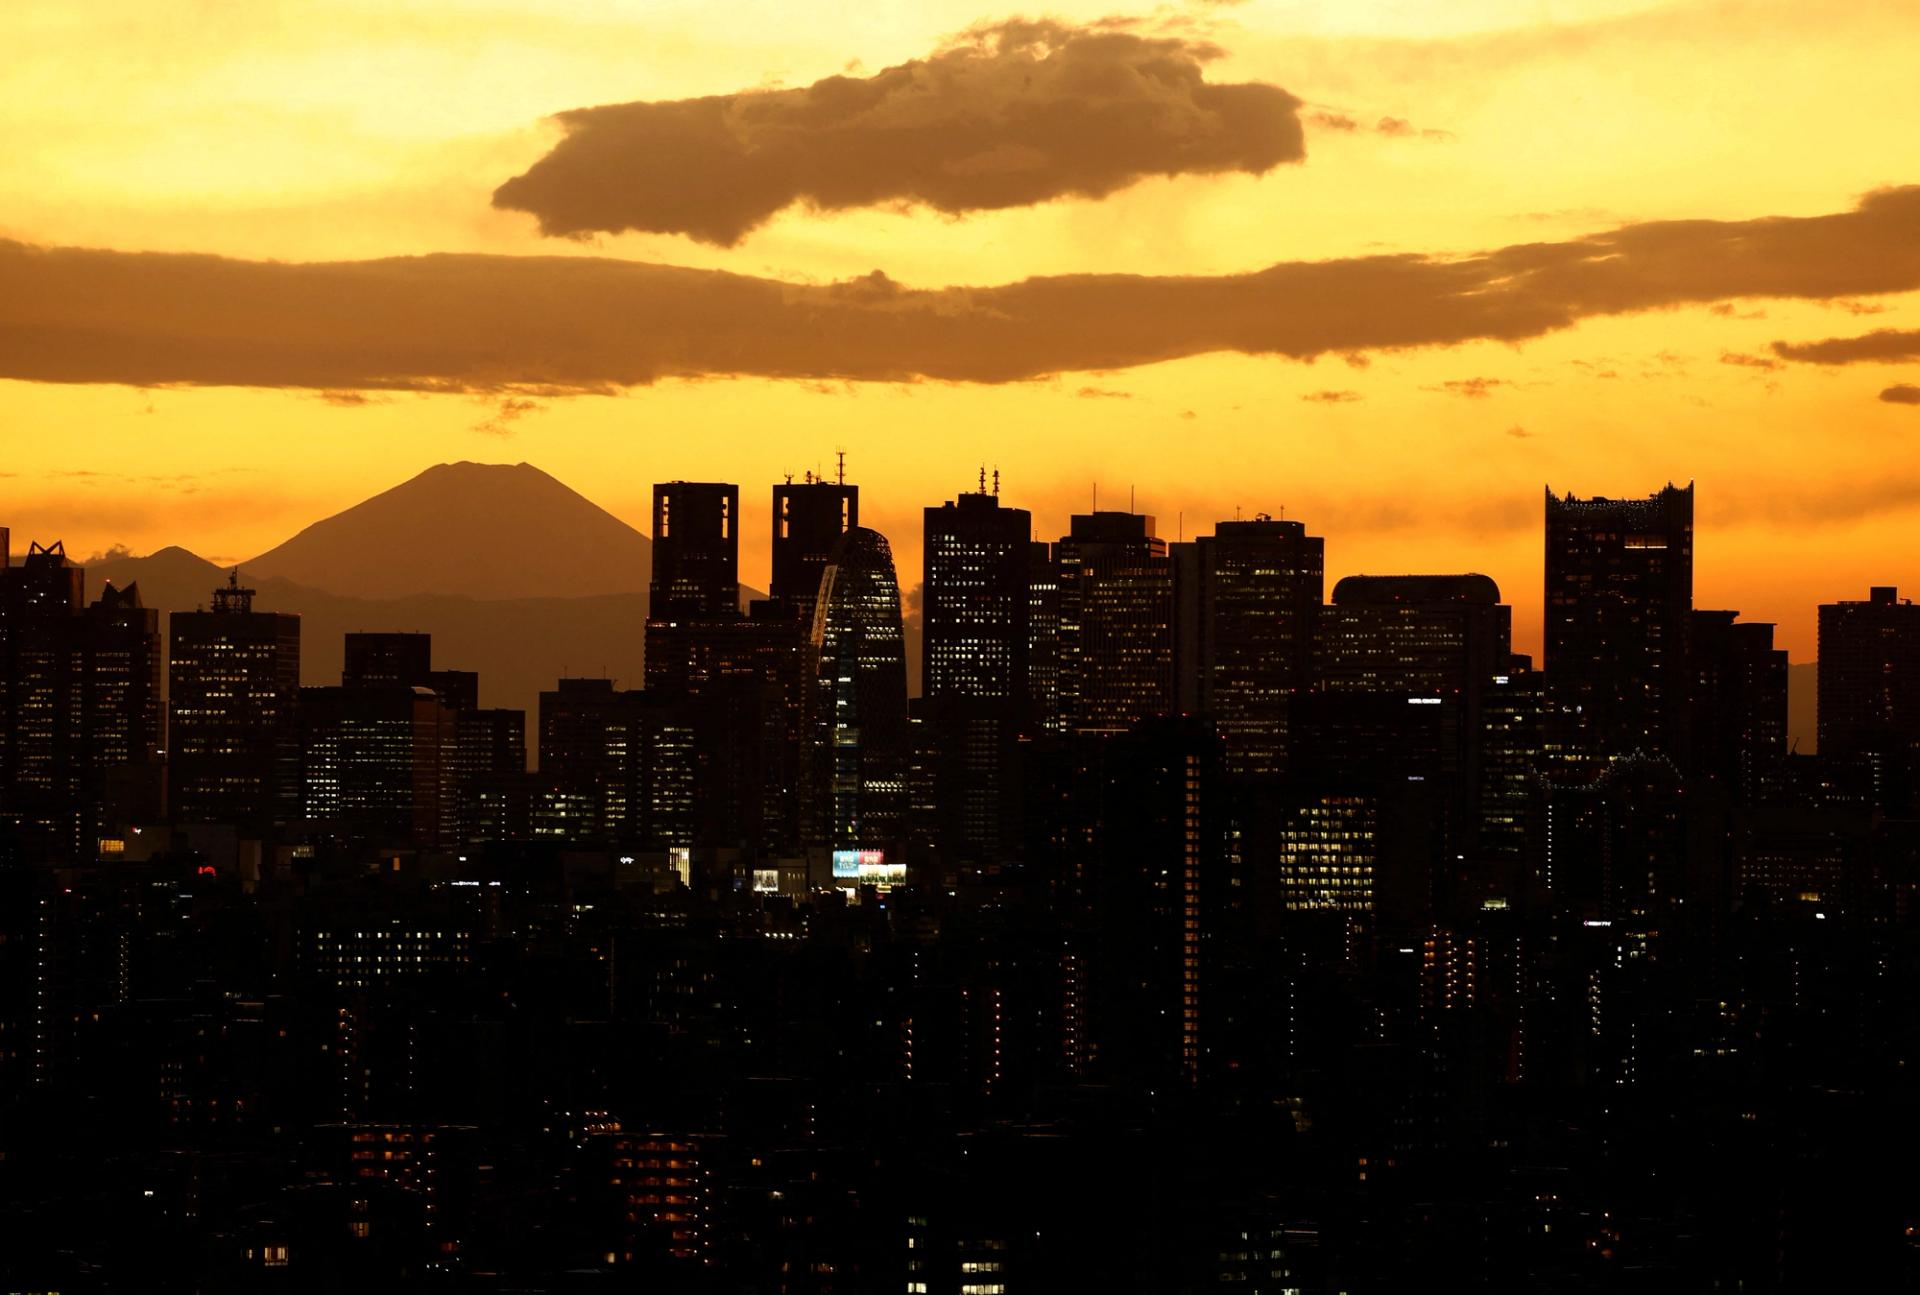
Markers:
(859, 711)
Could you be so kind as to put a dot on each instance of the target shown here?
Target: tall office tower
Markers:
(1116, 622)
(1869, 701)
(233, 677)
(1737, 684)
(696, 551)
(388, 659)
(1869, 671)
(39, 599)
(977, 625)
(859, 709)
(118, 778)
(1619, 587)
(1247, 598)
(1043, 639)
(742, 676)
(808, 521)
(976, 607)
(1443, 636)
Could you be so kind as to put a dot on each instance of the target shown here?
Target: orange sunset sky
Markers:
(1427, 260)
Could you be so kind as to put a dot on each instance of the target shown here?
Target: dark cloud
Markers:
(536, 326)
(1901, 393)
(1332, 397)
(346, 399)
(1394, 126)
(1746, 361)
(1881, 345)
(1102, 393)
(1471, 388)
(1006, 116)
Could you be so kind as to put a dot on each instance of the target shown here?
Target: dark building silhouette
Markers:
(976, 602)
(859, 699)
(696, 552)
(1248, 596)
(373, 763)
(39, 600)
(1442, 636)
(617, 766)
(1737, 689)
(1619, 588)
(233, 748)
(976, 639)
(1869, 671)
(1116, 622)
(808, 521)
(1043, 639)
(118, 778)
(388, 659)
(80, 705)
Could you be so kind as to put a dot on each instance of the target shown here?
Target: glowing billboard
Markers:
(867, 868)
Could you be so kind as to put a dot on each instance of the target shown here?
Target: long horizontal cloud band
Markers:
(1883, 345)
(479, 323)
(1013, 115)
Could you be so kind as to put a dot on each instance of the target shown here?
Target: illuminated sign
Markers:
(867, 867)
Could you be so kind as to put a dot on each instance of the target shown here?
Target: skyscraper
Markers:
(859, 707)
(1247, 596)
(1116, 622)
(1737, 682)
(976, 606)
(977, 619)
(1619, 587)
(696, 551)
(1442, 636)
(808, 521)
(1869, 670)
(38, 601)
(233, 746)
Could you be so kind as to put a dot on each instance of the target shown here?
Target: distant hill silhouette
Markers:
(473, 530)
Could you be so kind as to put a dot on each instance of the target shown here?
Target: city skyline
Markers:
(757, 558)
(734, 646)
(1418, 131)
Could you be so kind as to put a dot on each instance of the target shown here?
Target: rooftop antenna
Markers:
(983, 478)
(789, 478)
(1096, 496)
(1180, 525)
(840, 473)
(1129, 498)
(996, 483)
